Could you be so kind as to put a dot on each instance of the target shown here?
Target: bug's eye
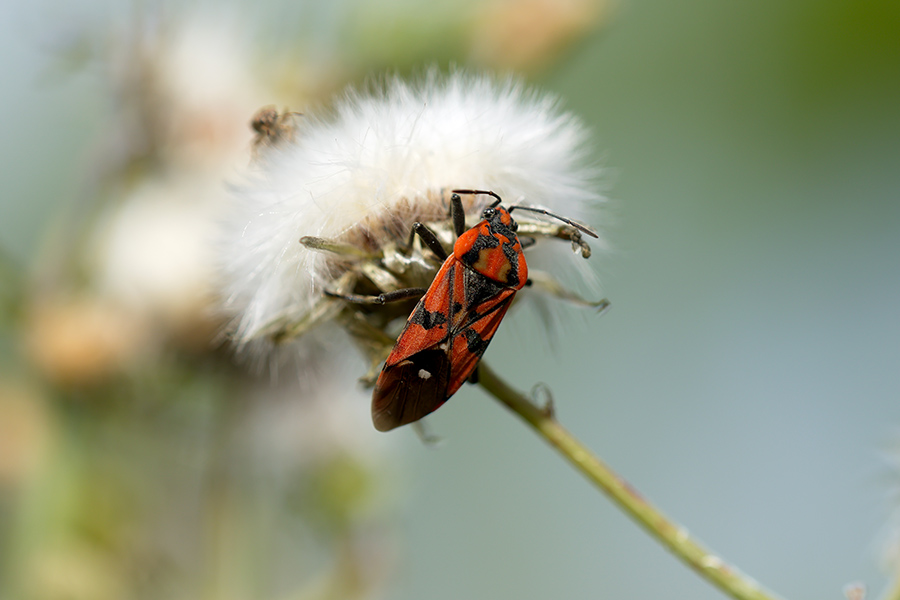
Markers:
(488, 214)
(515, 226)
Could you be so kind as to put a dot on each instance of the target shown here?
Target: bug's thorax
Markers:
(492, 249)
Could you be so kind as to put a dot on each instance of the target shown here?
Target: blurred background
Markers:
(746, 379)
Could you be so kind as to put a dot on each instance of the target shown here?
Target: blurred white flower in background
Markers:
(185, 476)
(198, 87)
(178, 439)
(152, 254)
(184, 92)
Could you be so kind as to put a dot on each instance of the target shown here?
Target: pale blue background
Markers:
(746, 378)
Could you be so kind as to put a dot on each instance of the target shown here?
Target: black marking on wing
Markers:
(425, 318)
(479, 289)
(509, 250)
(475, 343)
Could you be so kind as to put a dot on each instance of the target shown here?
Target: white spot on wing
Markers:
(424, 374)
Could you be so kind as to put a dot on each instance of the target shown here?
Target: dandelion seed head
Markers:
(382, 159)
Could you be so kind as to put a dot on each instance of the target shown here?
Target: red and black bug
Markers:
(456, 318)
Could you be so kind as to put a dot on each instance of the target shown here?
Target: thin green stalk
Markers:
(670, 534)
(893, 592)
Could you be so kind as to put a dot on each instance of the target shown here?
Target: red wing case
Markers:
(444, 338)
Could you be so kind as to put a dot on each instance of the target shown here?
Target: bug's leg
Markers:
(428, 238)
(394, 296)
(527, 242)
(546, 283)
(457, 214)
(473, 378)
(564, 232)
(578, 242)
(428, 438)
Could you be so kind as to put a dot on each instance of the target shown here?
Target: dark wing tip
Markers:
(411, 389)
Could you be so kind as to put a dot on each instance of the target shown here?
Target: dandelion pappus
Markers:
(456, 318)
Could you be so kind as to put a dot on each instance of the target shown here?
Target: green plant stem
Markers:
(893, 592)
(670, 534)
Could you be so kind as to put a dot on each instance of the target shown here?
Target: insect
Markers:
(456, 318)
(272, 128)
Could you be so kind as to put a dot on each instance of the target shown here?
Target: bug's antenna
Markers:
(575, 224)
(487, 192)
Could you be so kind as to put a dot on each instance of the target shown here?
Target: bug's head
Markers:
(498, 217)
